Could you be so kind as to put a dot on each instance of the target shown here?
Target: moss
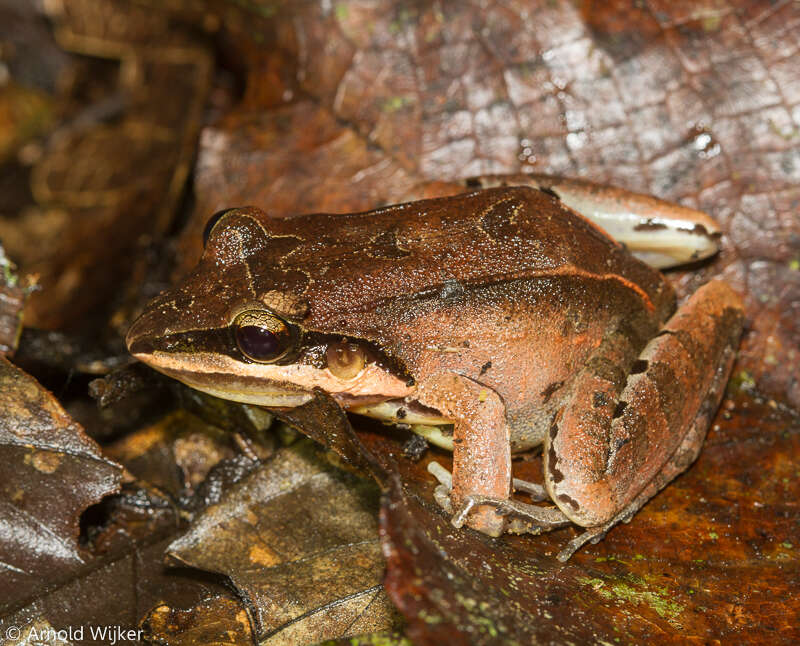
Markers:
(634, 589)
(396, 103)
(711, 22)
(742, 380)
(342, 11)
(430, 618)
(373, 639)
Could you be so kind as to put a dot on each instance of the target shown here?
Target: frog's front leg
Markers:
(481, 446)
(618, 440)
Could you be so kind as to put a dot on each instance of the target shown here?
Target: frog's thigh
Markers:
(606, 455)
(660, 233)
(481, 443)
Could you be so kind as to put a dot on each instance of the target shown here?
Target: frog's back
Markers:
(343, 266)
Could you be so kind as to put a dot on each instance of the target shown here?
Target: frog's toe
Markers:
(441, 474)
(442, 492)
(592, 535)
(537, 492)
(442, 497)
(523, 518)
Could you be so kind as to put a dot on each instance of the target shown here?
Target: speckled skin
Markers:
(509, 313)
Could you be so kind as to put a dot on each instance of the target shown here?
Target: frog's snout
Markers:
(139, 339)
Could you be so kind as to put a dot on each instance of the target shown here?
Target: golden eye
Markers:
(262, 336)
(346, 360)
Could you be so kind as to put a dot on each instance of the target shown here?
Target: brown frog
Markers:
(501, 313)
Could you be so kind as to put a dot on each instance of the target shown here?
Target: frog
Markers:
(498, 320)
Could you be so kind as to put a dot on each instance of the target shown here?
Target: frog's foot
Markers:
(524, 518)
(536, 491)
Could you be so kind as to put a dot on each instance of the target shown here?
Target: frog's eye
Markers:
(345, 360)
(262, 336)
(212, 222)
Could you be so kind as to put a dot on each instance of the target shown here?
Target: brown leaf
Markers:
(50, 472)
(114, 593)
(175, 454)
(298, 538)
(212, 622)
(122, 576)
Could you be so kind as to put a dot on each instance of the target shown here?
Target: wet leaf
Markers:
(175, 455)
(298, 538)
(45, 457)
(211, 622)
(121, 576)
(113, 593)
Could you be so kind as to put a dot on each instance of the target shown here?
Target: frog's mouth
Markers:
(210, 374)
(269, 400)
(269, 385)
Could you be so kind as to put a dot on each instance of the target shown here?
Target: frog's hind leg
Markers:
(660, 233)
(678, 463)
(618, 441)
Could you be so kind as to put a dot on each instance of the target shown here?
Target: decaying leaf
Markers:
(175, 454)
(115, 593)
(88, 217)
(214, 622)
(298, 538)
(121, 576)
(50, 472)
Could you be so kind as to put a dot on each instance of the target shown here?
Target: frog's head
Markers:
(234, 328)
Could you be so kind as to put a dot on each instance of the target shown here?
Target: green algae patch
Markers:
(741, 380)
(393, 638)
(633, 589)
(381, 639)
